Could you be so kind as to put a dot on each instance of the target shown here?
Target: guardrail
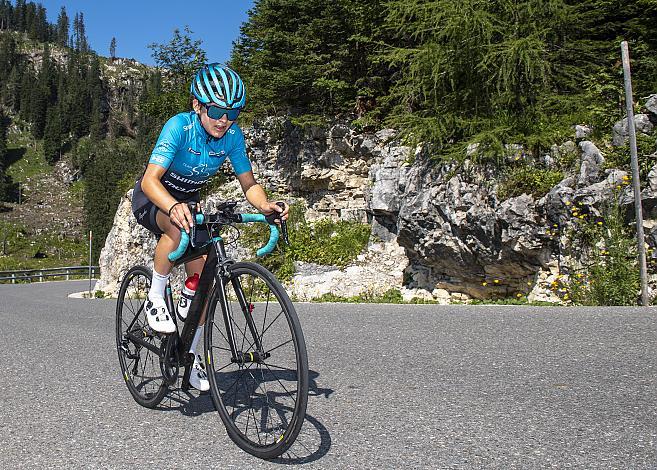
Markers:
(30, 274)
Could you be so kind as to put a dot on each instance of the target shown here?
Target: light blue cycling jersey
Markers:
(191, 156)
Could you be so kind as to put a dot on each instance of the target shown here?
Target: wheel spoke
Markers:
(280, 345)
(259, 401)
(141, 371)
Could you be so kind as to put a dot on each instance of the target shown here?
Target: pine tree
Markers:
(83, 44)
(62, 28)
(6, 14)
(12, 92)
(112, 49)
(111, 162)
(79, 37)
(4, 186)
(39, 107)
(63, 105)
(310, 57)
(29, 18)
(78, 103)
(52, 138)
(41, 29)
(19, 15)
(96, 98)
(8, 55)
(73, 39)
(25, 89)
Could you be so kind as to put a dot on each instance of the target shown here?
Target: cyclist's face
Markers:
(215, 127)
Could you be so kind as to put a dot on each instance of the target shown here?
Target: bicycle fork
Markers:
(241, 357)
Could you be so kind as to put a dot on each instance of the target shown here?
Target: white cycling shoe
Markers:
(158, 316)
(198, 378)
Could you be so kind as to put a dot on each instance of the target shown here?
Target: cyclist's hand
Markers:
(268, 207)
(181, 216)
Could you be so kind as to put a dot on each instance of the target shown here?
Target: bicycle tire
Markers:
(148, 388)
(277, 386)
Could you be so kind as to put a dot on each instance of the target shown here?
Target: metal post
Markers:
(629, 102)
(90, 233)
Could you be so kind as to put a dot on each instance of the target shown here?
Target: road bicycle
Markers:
(254, 348)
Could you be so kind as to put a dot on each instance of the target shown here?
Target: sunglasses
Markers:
(215, 112)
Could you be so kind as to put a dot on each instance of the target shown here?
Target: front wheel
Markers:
(257, 361)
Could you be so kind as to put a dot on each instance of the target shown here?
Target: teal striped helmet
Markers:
(218, 84)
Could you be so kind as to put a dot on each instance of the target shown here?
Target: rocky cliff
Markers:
(439, 231)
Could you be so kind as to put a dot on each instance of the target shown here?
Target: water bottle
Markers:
(186, 296)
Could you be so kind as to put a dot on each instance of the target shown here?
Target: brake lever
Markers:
(276, 216)
(192, 229)
(283, 225)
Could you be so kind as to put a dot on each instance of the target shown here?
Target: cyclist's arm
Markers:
(154, 189)
(158, 195)
(256, 195)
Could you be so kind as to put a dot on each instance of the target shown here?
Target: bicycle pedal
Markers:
(148, 331)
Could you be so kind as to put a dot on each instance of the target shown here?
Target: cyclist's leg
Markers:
(168, 242)
(159, 317)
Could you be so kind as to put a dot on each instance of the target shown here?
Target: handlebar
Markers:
(228, 217)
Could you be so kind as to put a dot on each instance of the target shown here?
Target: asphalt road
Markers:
(393, 386)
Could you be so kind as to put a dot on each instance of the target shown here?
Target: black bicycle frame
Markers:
(214, 269)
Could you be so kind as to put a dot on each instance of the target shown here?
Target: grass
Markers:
(525, 179)
(391, 296)
(25, 157)
(19, 250)
(513, 301)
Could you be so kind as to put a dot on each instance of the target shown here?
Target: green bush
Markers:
(324, 242)
(611, 276)
(527, 180)
(619, 157)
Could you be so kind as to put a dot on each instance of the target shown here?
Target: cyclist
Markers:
(190, 149)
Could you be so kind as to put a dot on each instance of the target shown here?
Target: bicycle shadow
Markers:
(313, 442)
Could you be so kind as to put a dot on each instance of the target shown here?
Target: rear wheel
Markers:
(259, 383)
(137, 344)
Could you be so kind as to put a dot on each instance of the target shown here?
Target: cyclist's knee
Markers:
(171, 233)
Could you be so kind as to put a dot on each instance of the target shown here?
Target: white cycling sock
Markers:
(197, 337)
(158, 284)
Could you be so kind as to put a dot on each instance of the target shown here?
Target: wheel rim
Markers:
(259, 388)
(140, 366)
